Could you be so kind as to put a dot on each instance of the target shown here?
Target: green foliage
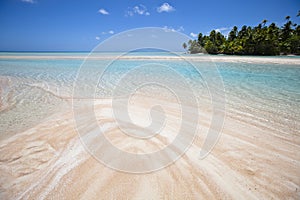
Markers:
(194, 47)
(211, 47)
(258, 40)
(184, 45)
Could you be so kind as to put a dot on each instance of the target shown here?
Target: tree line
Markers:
(258, 40)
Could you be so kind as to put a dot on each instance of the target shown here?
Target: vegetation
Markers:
(258, 40)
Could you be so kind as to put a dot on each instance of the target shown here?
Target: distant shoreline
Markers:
(291, 60)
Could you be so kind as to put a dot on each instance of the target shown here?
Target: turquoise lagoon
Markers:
(36, 85)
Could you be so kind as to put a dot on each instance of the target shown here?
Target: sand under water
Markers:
(42, 156)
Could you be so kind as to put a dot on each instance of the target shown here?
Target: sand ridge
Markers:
(49, 161)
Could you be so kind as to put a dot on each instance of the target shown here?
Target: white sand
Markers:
(48, 161)
(204, 58)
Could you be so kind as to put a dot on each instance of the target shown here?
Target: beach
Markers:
(294, 60)
(42, 155)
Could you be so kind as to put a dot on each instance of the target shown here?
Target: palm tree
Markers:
(298, 15)
(233, 34)
(200, 39)
(264, 22)
(288, 18)
(212, 36)
(184, 45)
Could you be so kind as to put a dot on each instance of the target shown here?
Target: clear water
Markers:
(266, 95)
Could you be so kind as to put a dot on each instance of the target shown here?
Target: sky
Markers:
(79, 25)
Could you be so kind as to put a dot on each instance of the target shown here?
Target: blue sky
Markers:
(78, 25)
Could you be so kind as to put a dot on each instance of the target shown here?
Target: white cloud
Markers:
(165, 7)
(108, 32)
(170, 29)
(139, 10)
(28, 1)
(129, 13)
(193, 35)
(221, 29)
(103, 11)
(180, 29)
(224, 30)
(97, 38)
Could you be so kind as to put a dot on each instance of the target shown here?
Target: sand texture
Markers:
(49, 161)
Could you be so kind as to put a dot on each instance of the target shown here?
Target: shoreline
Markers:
(289, 60)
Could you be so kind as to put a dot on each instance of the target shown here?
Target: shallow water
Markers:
(266, 95)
